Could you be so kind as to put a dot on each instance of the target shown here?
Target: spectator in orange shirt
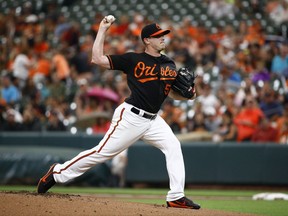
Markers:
(43, 66)
(60, 65)
(265, 132)
(248, 119)
(101, 125)
(255, 33)
(95, 26)
(41, 45)
(282, 126)
(122, 27)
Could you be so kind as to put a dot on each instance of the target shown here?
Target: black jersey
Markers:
(149, 78)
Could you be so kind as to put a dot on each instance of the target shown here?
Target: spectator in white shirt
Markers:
(21, 67)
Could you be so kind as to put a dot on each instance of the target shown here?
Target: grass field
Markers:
(227, 200)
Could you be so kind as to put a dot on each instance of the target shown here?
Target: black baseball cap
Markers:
(152, 30)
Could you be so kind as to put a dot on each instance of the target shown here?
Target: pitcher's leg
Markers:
(78, 165)
(115, 140)
(161, 136)
(175, 168)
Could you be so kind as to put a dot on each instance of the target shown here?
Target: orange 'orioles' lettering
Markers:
(146, 73)
(141, 69)
(167, 72)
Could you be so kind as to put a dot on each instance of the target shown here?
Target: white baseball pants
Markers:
(126, 128)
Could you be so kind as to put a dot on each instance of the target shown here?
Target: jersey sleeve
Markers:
(119, 62)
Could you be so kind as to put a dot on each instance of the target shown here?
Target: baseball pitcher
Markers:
(151, 77)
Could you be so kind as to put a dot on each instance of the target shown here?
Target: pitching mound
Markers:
(26, 203)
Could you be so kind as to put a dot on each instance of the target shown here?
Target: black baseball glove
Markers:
(184, 83)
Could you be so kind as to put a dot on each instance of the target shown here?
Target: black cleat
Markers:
(183, 203)
(47, 181)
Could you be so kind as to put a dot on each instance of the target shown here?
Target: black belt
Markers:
(145, 115)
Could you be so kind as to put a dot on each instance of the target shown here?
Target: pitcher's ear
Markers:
(146, 41)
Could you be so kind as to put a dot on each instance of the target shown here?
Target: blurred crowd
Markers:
(48, 83)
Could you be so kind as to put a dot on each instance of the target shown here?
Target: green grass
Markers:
(261, 207)
(275, 208)
(226, 200)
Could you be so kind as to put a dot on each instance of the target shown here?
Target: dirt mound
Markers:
(27, 203)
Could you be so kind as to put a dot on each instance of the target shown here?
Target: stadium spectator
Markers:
(243, 61)
(247, 119)
(61, 27)
(264, 132)
(29, 92)
(93, 105)
(255, 33)
(137, 24)
(122, 27)
(196, 122)
(70, 37)
(42, 67)
(95, 25)
(255, 62)
(54, 123)
(271, 106)
(282, 127)
(60, 65)
(101, 125)
(247, 88)
(280, 61)
(56, 88)
(226, 54)
(21, 66)
(121, 88)
(10, 93)
(260, 73)
(41, 46)
(241, 31)
(212, 120)
(220, 8)
(13, 121)
(278, 11)
(254, 49)
(30, 121)
(80, 60)
(208, 52)
(208, 99)
(227, 130)
(174, 116)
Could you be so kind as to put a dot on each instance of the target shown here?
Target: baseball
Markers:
(109, 19)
